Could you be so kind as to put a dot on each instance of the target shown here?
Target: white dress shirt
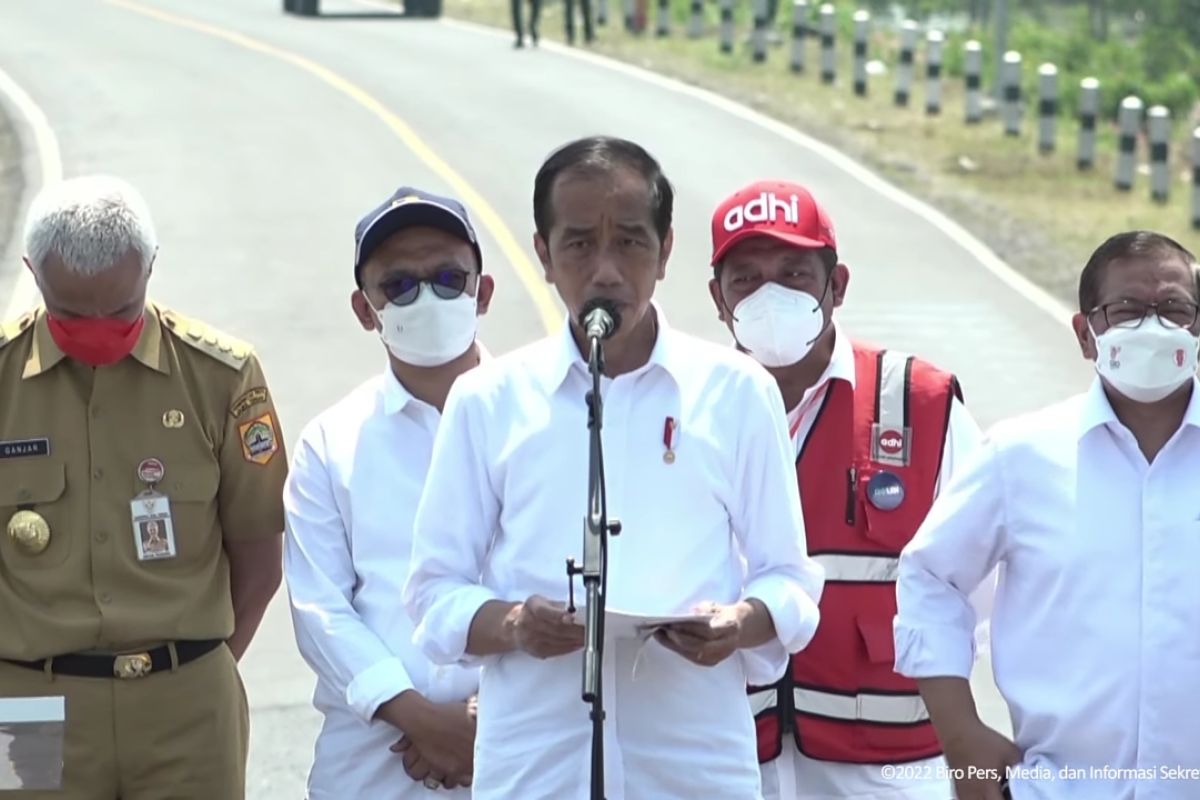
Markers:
(794, 776)
(350, 498)
(504, 509)
(1096, 627)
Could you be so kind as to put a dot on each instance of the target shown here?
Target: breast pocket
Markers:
(192, 491)
(38, 489)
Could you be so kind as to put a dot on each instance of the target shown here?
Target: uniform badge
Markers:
(151, 471)
(24, 448)
(173, 418)
(29, 531)
(248, 401)
(259, 442)
(885, 491)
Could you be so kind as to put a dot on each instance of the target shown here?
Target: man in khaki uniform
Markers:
(121, 417)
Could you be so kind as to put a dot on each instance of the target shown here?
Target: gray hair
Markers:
(90, 223)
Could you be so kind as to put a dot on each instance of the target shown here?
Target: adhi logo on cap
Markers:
(764, 208)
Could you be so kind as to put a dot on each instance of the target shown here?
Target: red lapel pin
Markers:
(669, 440)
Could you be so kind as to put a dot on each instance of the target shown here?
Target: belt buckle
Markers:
(134, 665)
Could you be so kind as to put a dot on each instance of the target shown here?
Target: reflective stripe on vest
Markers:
(891, 418)
(885, 708)
(763, 700)
(858, 569)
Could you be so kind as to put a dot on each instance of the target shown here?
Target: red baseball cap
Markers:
(778, 209)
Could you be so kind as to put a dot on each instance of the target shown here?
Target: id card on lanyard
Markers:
(150, 511)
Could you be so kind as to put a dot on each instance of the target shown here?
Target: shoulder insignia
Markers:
(208, 340)
(10, 330)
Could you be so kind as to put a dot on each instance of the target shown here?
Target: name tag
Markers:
(24, 448)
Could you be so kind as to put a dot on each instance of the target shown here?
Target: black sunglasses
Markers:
(402, 289)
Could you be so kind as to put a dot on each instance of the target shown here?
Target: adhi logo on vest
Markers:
(764, 208)
(891, 441)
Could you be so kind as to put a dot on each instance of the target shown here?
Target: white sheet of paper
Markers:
(620, 624)
(33, 709)
(31, 742)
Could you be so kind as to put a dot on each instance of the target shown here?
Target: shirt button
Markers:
(105, 598)
(95, 412)
(97, 473)
(101, 537)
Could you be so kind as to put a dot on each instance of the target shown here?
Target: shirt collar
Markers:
(1097, 410)
(396, 395)
(148, 349)
(841, 363)
(565, 355)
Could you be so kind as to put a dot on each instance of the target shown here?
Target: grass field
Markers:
(1038, 212)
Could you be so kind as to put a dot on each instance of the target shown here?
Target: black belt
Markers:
(127, 665)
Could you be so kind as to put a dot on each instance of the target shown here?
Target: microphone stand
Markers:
(596, 529)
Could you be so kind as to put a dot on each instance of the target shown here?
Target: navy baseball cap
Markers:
(407, 208)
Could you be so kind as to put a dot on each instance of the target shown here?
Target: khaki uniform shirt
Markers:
(71, 441)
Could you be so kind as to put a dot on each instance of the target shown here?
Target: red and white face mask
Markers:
(96, 341)
(1148, 362)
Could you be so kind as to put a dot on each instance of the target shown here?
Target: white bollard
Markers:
(1160, 144)
(1047, 107)
(1089, 107)
(973, 71)
(799, 33)
(933, 72)
(664, 18)
(759, 37)
(828, 55)
(726, 26)
(862, 32)
(1196, 179)
(904, 71)
(696, 20)
(1011, 81)
(1129, 120)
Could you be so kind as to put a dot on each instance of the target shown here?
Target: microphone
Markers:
(600, 318)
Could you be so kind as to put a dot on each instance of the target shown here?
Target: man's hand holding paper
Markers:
(720, 631)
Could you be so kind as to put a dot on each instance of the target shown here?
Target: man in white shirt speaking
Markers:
(697, 458)
(876, 433)
(1091, 510)
(396, 726)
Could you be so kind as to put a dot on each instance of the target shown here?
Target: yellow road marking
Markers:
(529, 275)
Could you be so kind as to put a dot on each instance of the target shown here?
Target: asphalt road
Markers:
(259, 139)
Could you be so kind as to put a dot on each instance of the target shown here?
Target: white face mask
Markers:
(429, 331)
(1148, 362)
(778, 325)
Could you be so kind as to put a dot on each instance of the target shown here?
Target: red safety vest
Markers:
(868, 472)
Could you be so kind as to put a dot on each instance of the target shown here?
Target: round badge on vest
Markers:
(885, 491)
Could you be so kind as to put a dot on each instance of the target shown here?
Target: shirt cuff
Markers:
(794, 614)
(934, 651)
(375, 685)
(442, 635)
(766, 664)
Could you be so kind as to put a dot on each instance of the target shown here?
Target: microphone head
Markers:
(601, 311)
